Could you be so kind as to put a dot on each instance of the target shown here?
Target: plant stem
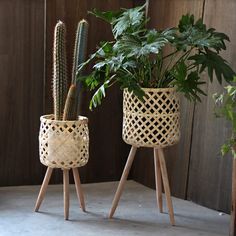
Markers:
(186, 54)
(171, 54)
(191, 66)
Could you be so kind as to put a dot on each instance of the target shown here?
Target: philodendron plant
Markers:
(226, 107)
(137, 56)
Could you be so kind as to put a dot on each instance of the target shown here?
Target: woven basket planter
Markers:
(154, 122)
(63, 144)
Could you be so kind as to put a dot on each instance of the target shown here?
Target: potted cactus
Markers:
(153, 67)
(64, 137)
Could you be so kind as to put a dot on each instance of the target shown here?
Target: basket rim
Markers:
(174, 89)
(49, 117)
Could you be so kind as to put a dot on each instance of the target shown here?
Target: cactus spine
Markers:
(59, 70)
(71, 105)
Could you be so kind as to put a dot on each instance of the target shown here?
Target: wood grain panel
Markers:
(165, 14)
(21, 97)
(210, 174)
(107, 151)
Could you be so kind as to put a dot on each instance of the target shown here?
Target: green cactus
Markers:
(80, 47)
(71, 106)
(59, 70)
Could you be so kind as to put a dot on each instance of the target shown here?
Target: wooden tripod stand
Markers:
(65, 190)
(160, 174)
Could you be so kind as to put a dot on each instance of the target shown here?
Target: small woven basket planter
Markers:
(63, 144)
(154, 122)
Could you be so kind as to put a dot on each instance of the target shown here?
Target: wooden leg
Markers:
(233, 209)
(43, 188)
(66, 193)
(158, 180)
(78, 188)
(122, 180)
(166, 185)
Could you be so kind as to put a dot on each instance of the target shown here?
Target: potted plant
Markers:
(226, 107)
(64, 135)
(152, 67)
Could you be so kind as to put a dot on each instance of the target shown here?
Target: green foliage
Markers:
(59, 70)
(214, 63)
(188, 83)
(136, 57)
(226, 107)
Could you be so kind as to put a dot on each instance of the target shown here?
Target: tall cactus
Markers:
(59, 70)
(71, 106)
(80, 47)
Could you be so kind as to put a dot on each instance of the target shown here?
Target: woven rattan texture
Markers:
(154, 122)
(63, 144)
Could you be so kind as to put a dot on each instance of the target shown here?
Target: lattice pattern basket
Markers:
(154, 122)
(63, 144)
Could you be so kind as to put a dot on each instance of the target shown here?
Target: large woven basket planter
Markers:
(63, 144)
(154, 122)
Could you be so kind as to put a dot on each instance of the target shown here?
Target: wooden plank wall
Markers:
(209, 173)
(21, 96)
(197, 171)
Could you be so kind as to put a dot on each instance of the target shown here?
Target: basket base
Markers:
(65, 190)
(160, 174)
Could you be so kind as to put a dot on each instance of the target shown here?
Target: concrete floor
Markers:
(137, 213)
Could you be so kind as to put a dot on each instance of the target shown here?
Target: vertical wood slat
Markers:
(210, 174)
(21, 96)
(164, 14)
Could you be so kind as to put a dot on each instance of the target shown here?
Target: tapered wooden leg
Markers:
(66, 193)
(122, 180)
(43, 188)
(79, 190)
(158, 180)
(233, 209)
(166, 185)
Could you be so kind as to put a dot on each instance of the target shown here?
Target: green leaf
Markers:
(213, 62)
(98, 95)
(225, 148)
(129, 21)
(197, 35)
(108, 16)
(188, 83)
(185, 22)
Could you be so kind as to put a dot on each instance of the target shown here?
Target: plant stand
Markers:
(64, 145)
(160, 174)
(79, 191)
(152, 123)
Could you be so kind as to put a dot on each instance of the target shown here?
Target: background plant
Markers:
(226, 107)
(136, 57)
